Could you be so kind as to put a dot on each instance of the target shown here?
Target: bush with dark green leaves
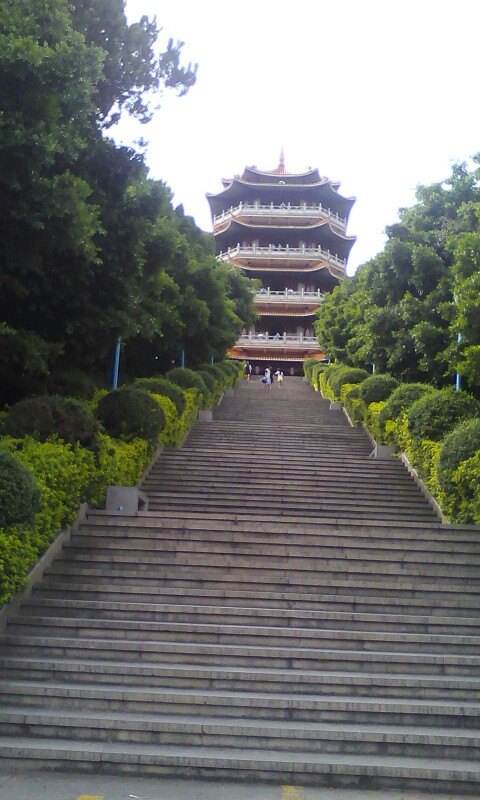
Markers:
(376, 388)
(401, 398)
(73, 382)
(218, 373)
(215, 388)
(19, 493)
(338, 375)
(316, 370)
(436, 413)
(458, 472)
(461, 444)
(308, 365)
(164, 387)
(52, 415)
(129, 414)
(189, 379)
(231, 370)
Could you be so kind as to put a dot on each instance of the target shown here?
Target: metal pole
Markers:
(182, 358)
(116, 363)
(211, 361)
(373, 369)
(458, 377)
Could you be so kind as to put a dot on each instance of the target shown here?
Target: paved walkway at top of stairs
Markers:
(282, 451)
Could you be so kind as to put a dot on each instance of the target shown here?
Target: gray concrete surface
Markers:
(42, 785)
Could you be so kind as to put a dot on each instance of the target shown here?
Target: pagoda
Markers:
(289, 231)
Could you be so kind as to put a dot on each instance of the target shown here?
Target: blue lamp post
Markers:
(116, 363)
(458, 377)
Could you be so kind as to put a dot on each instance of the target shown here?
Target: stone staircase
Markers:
(289, 610)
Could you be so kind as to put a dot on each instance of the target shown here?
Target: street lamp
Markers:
(116, 363)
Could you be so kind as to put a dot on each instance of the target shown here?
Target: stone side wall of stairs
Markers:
(288, 610)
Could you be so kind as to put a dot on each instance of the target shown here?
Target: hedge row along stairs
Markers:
(289, 609)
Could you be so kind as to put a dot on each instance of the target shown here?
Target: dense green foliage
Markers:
(19, 493)
(377, 388)
(51, 415)
(400, 399)
(404, 309)
(53, 476)
(189, 379)
(131, 414)
(91, 248)
(164, 387)
(438, 430)
(340, 375)
(432, 415)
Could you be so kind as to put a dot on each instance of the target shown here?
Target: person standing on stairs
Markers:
(267, 378)
(247, 370)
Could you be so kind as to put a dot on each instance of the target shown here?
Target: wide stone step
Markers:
(432, 531)
(306, 545)
(248, 764)
(196, 676)
(282, 657)
(453, 604)
(162, 729)
(293, 490)
(254, 705)
(345, 508)
(341, 638)
(240, 557)
(218, 578)
(236, 615)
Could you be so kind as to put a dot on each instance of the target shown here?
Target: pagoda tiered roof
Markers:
(340, 244)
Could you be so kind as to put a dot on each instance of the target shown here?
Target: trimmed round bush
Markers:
(219, 374)
(337, 376)
(131, 414)
(308, 365)
(462, 443)
(316, 369)
(401, 398)
(164, 387)
(73, 382)
(19, 493)
(52, 415)
(230, 370)
(189, 379)
(213, 385)
(377, 388)
(436, 413)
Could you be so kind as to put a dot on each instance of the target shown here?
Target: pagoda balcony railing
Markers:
(289, 296)
(282, 210)
(279, 253)
(278, 340)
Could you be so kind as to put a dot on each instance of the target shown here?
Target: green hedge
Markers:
(19, 492)
(434, 414)
(131, 414)
(67, 475)
(189, 379)
(52, 415)
(400, 399)
(439, 430)
(338, 376)
(377, 388)
(164, 387)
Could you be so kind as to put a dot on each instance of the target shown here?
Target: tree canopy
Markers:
(91, 247)
(404, 310)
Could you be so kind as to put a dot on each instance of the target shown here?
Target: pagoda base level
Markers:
(289, 362)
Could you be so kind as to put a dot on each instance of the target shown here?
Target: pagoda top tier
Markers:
(307, 186)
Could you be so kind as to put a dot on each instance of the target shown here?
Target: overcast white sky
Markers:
(379, 94)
